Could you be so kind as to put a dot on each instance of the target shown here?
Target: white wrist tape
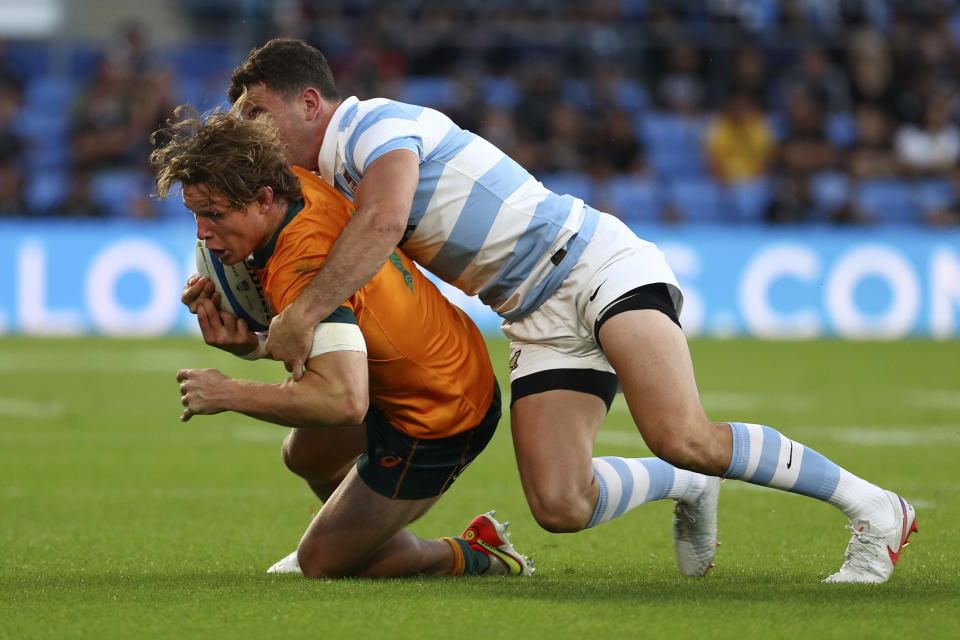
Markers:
(261, 350)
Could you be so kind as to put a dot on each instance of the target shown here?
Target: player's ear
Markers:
(265, 197)
(312, 103)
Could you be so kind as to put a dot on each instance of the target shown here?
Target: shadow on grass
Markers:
(560, 587)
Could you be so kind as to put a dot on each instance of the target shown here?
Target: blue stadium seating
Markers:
(428, 91)
(500, 92)
(28, 59)
(574, 184)
(934, 193)
(888, 201)
(84, 60)
(117, 190)
(45, 189)
(841, 129)
(697, 200)
(204, 59)
(749, 200)
(634, 199)
(628, 95)
(201, 93)
(672, 144)
(49, 94)
(829, 191)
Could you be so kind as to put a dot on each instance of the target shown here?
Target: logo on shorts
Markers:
(390, 461)
(513, 359)
(596, 291)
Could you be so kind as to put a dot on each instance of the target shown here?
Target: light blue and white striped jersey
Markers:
(479, 220)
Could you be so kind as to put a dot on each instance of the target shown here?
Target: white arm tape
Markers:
(261, 350)
(337, 336)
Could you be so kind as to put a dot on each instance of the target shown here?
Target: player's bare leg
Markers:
(553, 435)
(359, 532)
(650, 355)
(652, 360)
(322, 457)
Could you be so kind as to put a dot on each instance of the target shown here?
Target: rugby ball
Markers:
(239, 287)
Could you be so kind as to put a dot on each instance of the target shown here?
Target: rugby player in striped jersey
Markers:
(589, 307)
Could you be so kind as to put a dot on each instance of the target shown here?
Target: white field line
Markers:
(31, 409)
(144, 360)
(243, 434)
(933, 398)
(175, 493)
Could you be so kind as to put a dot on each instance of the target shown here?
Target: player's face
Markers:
(289, 117)
(231, 234)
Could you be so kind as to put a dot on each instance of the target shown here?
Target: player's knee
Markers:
(560, 512)
(293, 456)
(689, 445)
(315, 563)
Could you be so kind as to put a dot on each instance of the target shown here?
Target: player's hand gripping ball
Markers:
(240, 290)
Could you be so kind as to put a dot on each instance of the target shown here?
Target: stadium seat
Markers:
(633, 9)
(203, 60)
(841, 129)
(47, 138)
(749, 200)
(29, 59)
(829, 191)
(672, 144)
(574, 184)
(49, 94)
(171, 209)
(933, 193)
(628, 95)
(500, 92)
(634, 199)
(117, 191)
(45, 189)
(84, 61)
(887, 201)
(203, 94)
(697, 200)
(429, 91)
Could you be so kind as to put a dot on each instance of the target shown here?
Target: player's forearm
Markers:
(361, 249)
(295, 404)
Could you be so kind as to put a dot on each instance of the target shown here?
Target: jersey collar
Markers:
(258, 259)
(327, 158)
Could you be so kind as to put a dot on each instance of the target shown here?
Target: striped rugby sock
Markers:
(762, 456)
(627, 483)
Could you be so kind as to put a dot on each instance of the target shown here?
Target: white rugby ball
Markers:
(239, 287)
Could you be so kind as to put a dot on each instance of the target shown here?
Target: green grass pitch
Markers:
(118, 521)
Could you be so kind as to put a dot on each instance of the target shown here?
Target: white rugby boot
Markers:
(873, 551)
(695, 531)
(287, 564)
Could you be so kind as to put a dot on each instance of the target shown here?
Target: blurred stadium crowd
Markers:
(728, 111)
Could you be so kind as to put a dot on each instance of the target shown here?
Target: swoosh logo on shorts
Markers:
(594, 294)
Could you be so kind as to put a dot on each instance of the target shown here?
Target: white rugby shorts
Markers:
(559, 333)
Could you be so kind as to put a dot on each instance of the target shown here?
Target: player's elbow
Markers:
(389, 224)
(348, 403)
(353, 407)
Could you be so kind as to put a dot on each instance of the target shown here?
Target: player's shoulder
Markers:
(377, 110)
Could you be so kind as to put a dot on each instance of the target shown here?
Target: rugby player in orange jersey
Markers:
(398, 395)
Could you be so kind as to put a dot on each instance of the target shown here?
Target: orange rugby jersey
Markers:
(429, 369)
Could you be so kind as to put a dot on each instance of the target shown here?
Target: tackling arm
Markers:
(383, 200)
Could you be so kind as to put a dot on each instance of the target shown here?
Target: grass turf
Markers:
(118, 521)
